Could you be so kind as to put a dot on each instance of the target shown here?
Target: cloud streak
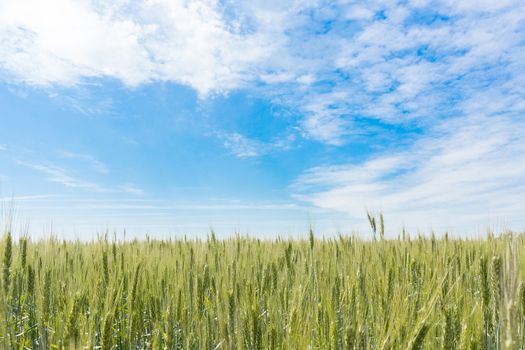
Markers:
(61, 176)
(30, 198)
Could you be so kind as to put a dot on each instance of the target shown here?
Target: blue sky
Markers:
(262, 117)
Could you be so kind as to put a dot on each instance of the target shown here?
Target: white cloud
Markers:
(409, 62)
(62, 41)
(325, 119)
(466, 173)
(408, 68)
(66, 41)
(306, 79)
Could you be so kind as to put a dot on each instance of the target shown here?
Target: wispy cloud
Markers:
(62, 176)
(31, 198)
(59, 175)
(245, 147)
(166, 217)
(2, 147)
(163, 206)
(464, 174)
(241, 146)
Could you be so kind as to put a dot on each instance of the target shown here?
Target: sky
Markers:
(169, 118)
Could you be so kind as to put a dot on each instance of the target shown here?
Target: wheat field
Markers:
(246, 293)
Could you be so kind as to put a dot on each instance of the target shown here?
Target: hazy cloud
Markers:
(96, 164)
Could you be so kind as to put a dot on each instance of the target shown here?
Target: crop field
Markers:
(245, 293)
